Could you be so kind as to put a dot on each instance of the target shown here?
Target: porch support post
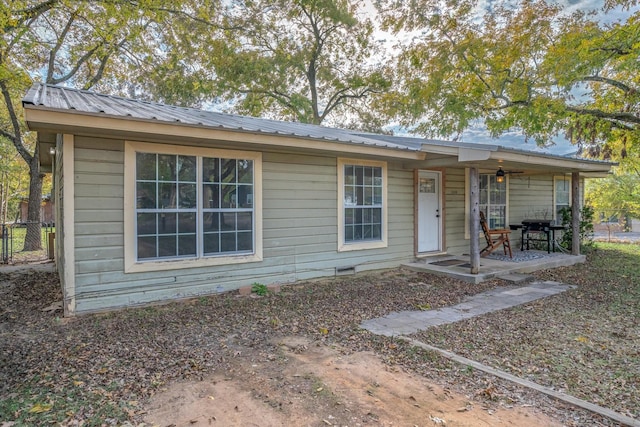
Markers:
(575, 213)
(474, 220)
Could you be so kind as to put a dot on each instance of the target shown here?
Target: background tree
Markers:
(85, 44)
(528, 66)
(304, 60)
(619, 194)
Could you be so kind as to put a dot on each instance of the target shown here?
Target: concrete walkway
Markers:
(408, 322)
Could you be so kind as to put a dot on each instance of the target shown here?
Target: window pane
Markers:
(211, 221)
(377, 231)
(229, 196)
(187, 196)
(349, 178)
(168, 196)
(146, 195)
(368, 176)
(377, 215)
(187, 222)
(187, 168)
(228, 170)
(244, 222)
(349, 215)
(350, 195)
(147, 247)
(210, 170)
(211, 196)
(227, 242)
(166, 167)
(359, 175)
(368, 196)
(211, 243)
(145, 166)
(377, 196)
(245, 196)
(146, 223)
(167, 246)
(228, 221)
(377, 176)
(167, 223)
(366, 216)
(245, 241)
(348, 233)
(187, 245)
(245, 171)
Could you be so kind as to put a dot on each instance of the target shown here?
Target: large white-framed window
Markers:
(561, 195)
(493, 200)
(190, 206)
(362, 204)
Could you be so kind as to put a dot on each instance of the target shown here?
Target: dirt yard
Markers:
(300, 358)
(315, 385)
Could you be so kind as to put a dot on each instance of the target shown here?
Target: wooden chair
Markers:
(494, 238)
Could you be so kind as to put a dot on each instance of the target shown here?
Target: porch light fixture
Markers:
(52, 150)
(500, 175)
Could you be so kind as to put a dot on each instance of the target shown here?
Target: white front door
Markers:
(429, 212)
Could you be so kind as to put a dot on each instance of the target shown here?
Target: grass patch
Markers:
(40, 401)
(584, 341)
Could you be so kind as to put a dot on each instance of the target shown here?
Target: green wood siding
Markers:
(299, 230)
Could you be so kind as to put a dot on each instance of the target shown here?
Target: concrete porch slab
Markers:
(494, 268)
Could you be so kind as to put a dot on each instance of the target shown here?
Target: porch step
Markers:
(516, 277)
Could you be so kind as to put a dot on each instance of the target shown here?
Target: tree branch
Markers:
(617, 116)
(615, 83)
(56, 48)
(30, 13)
(16, 138)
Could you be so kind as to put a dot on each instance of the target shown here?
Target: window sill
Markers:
(164, 265)
(346, 247)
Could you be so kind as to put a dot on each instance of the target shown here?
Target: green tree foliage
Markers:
(619, 194)
(301, 60)
(86, 44)
(531, 66)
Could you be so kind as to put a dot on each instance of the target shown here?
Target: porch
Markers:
(494, 265)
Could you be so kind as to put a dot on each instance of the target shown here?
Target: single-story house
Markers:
(157, 202)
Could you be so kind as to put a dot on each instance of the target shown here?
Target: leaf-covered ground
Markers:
(585, 342)
(98, 369)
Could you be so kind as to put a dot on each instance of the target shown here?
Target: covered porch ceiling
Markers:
(512, 161)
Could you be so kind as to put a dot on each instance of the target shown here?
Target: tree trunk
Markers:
(33, 239)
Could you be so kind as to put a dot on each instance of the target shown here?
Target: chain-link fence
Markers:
(26, 242)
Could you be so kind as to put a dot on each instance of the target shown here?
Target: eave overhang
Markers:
(46, 121)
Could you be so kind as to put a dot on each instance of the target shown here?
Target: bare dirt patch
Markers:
(315, 384)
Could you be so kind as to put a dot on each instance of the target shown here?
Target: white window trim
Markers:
(467, 202)
(131, 264)
(557, 178)
(376, 244)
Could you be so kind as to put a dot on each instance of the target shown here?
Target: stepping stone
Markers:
(516, 277)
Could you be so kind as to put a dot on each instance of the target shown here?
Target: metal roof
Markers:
(65, 99)
(60, 98)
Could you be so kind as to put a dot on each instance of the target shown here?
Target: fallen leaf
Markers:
(39, 408)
